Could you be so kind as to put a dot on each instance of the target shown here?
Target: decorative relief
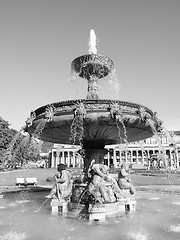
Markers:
(159, 122)
(97, 106)
(49, 113)
(128, 109)
(130, 118)
(115, 111)
(143, 114)
(29, 120)
(80, 109)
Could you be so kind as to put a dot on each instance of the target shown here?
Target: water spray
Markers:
(92, 43)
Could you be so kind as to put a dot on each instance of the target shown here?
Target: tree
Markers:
(46, 147)
(15, 147)
(23, 150)
(6, 136)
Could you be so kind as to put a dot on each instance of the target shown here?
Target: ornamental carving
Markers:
(49, 113)
(130, 118)
(159, 122)
(115, 111)
(143, 114)
(79, 109)
(29, 120)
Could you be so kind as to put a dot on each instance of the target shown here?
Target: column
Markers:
(126, 156)
(52, 159)
(58, 149)
(68, 159)
(131, 156)
(108, 158)
(137, 161)
(171, 158)
(73, 159)
(142, 157)
(114, 157)
(177, 158)
(62, 155)
(120, 157)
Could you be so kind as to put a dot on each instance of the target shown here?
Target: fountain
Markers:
(93, 122)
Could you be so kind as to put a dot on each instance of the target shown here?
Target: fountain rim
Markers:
(90, 109)
(42, 109)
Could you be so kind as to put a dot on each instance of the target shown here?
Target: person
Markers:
(63, 183)
(123, 180)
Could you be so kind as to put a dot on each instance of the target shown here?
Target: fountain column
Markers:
(93, 151)
(92, 88)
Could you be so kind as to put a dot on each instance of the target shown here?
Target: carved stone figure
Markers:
(103, 187)
(63, 186)
(123, 181)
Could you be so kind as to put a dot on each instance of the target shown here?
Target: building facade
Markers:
(138, 154)
(67, 154)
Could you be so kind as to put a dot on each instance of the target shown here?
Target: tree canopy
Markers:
(15, 147)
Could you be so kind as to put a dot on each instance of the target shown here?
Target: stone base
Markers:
(99, 212)
(130, 206)
(59, 206)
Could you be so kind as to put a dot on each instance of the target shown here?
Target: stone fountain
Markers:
(93, 122)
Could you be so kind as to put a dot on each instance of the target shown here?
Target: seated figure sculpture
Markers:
(124, 181)
(63, 183)
(102, 186)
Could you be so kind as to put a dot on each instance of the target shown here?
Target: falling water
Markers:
(77, 130)
(109, 86)
(119, 120)
(16, 144)
(168, 135)
(15, 139)
(119, 131)
(142, 146)
(157, 138)
(40, 127)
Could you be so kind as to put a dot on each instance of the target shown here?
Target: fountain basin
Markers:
(99, 126)
(157, 217)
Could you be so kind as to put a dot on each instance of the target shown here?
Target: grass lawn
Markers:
(9, 178)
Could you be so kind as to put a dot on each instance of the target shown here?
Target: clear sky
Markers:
(40, 38)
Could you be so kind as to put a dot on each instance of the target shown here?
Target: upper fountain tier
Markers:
(92, 66)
